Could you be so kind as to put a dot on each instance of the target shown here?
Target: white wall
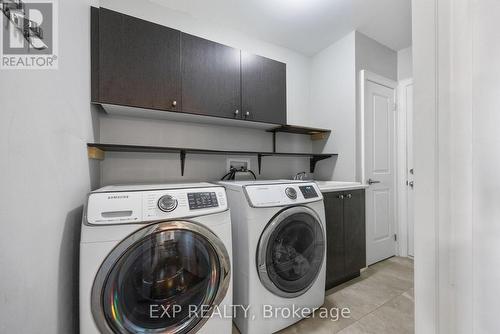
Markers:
(426, 175)
(456, 230)
(334, 98)
(126, 167)
(485, 164)
(405, 64)
(376, 58)
(333, 106)
(45, 123)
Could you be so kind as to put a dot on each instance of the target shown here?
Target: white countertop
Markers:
(330, 186)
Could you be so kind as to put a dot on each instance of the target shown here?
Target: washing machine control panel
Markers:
(202, 200)
(308, 191)
(271, 195)
(145, 206)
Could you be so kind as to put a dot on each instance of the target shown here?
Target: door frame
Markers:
(442, 44)
(364, 77)
(402, 168)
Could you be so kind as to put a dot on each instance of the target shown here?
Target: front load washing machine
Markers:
(156, 259)
(279, 252)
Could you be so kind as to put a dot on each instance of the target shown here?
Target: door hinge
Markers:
(395, 237)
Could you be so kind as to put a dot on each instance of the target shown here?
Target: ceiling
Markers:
(306, 26)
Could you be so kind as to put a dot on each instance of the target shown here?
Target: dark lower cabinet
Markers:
(346, 235)
(137, 63)
(354, 231)
(210, 78)
(263, 89)
(334, 212)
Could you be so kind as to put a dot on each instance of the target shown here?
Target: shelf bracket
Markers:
(314, 159)
(259, 162)
(274, 141)
(183, 161)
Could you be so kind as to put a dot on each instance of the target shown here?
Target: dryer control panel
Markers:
(152, 205)
(276, 194)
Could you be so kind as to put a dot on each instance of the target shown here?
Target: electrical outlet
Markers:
(238, 163)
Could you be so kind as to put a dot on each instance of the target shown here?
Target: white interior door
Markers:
(408, 104)
(379, 149)
(405, 170)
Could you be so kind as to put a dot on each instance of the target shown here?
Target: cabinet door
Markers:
(263, 88)
(354, 231)
(334, 213)
(139, 62)
(210, 78)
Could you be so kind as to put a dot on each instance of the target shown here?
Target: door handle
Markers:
(411, 184)
(370, 181)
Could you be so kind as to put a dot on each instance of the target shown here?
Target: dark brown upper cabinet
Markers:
(263, 89)
(135, 62)
(210, 78)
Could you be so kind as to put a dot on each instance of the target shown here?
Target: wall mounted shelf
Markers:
(97, 151)
(315, 133)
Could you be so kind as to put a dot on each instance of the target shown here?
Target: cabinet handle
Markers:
(247, 114)
(341, 196)
(174, 103)
(349, 196)
(236, 112)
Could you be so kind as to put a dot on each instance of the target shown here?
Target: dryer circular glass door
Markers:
(164, 278)
(291, 251)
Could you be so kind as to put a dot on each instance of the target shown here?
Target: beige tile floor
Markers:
(381, 301)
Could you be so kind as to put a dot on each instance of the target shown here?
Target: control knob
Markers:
(291, 193)
(167, 203)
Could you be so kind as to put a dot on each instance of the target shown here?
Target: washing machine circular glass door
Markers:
(164, 278)
(291, 251)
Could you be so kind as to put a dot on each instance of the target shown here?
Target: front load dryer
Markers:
(156, 259)
(279, 252)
